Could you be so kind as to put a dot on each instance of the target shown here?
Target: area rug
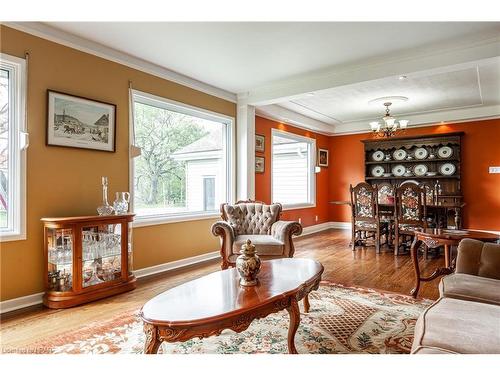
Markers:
(341, 320)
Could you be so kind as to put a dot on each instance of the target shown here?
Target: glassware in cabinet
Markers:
(60, 259)
(101, 254)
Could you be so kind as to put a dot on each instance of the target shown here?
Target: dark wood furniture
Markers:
(86, 258)
(434, 238)
(365, 215)
(206, 306)
(410, 212)
(450, 184)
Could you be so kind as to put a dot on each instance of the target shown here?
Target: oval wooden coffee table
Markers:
(206, 306)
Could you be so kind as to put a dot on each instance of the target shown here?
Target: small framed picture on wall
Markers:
(322, 157)
(259, 143)
(260, 163)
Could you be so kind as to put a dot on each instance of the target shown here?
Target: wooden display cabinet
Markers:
(86, 258)
(450, 197)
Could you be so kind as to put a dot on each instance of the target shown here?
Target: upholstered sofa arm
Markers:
(283, 231)
(226, 234)
(478, 258)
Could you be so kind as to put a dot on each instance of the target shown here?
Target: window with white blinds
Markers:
(293, 178)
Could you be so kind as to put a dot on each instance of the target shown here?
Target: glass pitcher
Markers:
(120, 204)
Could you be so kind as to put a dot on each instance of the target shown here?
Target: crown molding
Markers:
(443, 56)
(277, 113)
(454, 116)
(73, 41)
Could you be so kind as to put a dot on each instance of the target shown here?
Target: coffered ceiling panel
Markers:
(426, 92)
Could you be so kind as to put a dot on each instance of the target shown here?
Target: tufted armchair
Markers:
(259, 223)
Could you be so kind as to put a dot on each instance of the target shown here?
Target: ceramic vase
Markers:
(248, 264)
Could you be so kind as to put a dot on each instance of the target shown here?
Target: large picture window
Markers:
(293, 178)
(184, 169)
(12, 155)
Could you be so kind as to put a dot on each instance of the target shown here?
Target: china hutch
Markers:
(86, 258)
(433, 161)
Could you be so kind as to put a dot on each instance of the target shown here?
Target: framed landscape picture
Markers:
(259, 164)
(322, 157)
(79, 122)
(259, 143)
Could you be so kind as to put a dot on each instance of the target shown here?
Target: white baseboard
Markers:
(176, 264)
(324, 226)
(21, 302)
(340, 224)
(315, 228)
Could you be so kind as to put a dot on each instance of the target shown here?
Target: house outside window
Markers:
(12, 153)
(184, 170)
(292, 168)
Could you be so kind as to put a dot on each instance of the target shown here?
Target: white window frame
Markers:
(312, 165)
(17, 148)
(171, 105)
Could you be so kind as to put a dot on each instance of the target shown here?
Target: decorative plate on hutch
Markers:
(445, 152)
(421, 153)
(378, 156)
(420, 170)
(398, 170)
(447, 169)
(399, 154)
(377, 171)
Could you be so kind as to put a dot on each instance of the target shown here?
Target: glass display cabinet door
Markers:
(60, 259)
(101, 254)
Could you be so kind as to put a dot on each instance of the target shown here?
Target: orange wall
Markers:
(480, 149)
(263, 180)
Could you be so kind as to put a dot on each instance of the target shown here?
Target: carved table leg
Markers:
(294, 312)
(307, 306)
(414, 257)
(152, 344)
(447, 255)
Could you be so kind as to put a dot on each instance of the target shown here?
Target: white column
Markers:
(245, 152)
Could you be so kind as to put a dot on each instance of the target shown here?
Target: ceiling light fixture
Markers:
(390, 125)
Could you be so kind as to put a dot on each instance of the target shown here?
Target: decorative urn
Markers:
(248, 264)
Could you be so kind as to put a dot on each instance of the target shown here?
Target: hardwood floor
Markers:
(362, 267)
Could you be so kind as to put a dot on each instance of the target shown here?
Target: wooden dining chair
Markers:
(365, 217)
(386, 197)
(410, 212)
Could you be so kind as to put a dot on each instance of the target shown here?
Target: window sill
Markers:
(7, 237)
(298, 206)
(146, 221)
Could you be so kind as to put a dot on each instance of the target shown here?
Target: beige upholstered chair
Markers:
(465, 317)
(259, 223)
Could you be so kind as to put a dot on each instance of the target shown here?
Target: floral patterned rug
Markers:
(342, 320)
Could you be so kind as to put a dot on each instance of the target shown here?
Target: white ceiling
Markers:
(238, 57)
(452, 69)
(430, 91)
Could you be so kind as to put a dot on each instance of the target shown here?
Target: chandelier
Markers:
(389, 125)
